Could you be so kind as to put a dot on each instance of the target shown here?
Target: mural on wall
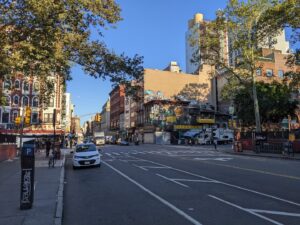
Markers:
(168, 114)
(154, 95)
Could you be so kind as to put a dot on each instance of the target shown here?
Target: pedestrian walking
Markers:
(215, 143)
(48, 146)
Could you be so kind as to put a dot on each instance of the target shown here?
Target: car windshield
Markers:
(85, 148)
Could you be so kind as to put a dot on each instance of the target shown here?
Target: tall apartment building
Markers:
(21, 92)
(105, 116)
(195, 40)
(117, 97)
(69, 109)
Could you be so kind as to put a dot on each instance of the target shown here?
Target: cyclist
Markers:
(52, 158)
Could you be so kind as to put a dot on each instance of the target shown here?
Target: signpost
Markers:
(27, 176)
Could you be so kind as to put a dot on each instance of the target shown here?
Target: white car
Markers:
(86, 155)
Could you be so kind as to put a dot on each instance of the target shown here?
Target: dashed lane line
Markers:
(227, 184)
(254, 170)
(246, 210)
(162, 200)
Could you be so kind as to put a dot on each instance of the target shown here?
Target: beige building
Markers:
(166, 85)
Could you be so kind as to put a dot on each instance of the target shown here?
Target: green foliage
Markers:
(249, 25)
(39, 37)
(275, 103)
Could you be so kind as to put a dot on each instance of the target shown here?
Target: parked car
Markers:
(124, 143)
(86, 155)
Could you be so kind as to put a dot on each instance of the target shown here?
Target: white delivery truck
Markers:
(99, 138)
(223, 136)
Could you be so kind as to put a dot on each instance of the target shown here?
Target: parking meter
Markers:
(27, 175)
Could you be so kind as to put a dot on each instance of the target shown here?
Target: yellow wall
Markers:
(170, 83)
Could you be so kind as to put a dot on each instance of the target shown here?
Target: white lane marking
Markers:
(216, 159)
(191, 180)
(246, 210)
(276, 212)
(115, 153)
(135, 160)
(230, 185)
(162, 200)
(107, 154)
(172, 180)
(141, 167)
(156, 167)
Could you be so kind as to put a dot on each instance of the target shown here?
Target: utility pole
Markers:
(54, 123)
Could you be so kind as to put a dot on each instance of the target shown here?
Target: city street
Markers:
(154, 184)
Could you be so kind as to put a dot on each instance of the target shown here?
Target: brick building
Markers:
(20, 92)
(117, 106)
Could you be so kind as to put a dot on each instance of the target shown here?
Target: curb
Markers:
(264, 156)
(60, 196)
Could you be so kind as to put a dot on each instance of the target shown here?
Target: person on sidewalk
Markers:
(48, 146)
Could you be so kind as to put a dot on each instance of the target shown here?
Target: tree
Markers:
(274, 99)
(241, 22)
(40, 37)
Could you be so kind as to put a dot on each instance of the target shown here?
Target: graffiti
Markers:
(26, 187)
(154, 95)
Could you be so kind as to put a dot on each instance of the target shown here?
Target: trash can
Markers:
(27, 175)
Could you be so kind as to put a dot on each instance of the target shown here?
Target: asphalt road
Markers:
(168, 185)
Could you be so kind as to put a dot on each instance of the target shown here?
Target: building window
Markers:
(17, 84)
(280, 74)
(36, 86)
(26, 86)
(258, 72)
(35, 102)
(269, 72)
(7, 85)
(5, 117)
(51, 102)
(15, 115)
(7, 101)
(48, 117)
(34, 118)
(16, 100)
(25, 101)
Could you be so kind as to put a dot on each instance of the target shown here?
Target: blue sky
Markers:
(154, 29)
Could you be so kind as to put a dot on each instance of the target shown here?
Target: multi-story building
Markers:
(195, 42)
(68, 113)
(117, 97)
(20, 92)
(105, 116)
(75, 125)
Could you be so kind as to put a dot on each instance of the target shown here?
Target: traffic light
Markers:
(98, 117)
(18, 120)
(28, 112)
(27, 115)
(27, 120)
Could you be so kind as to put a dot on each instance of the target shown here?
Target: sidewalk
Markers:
(48, 186)
(228, 149)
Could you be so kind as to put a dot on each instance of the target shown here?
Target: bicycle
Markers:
(52, 159)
